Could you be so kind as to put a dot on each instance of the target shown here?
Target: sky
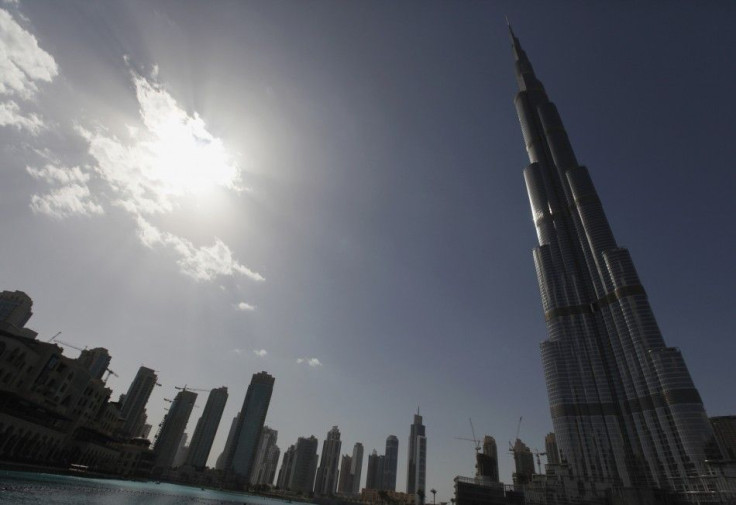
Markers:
(332, 192)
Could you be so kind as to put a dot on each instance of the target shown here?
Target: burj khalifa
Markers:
(624, 407)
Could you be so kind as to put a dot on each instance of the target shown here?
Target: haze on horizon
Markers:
(332, 192)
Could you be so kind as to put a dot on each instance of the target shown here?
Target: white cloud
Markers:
(246, 307)
(10, 115)
(201, 263)
(54, 174)
(313, 362)
(66, 201)
(237, 351)
(260, 353)
(22, 62)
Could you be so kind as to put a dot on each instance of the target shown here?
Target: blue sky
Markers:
(339, 184)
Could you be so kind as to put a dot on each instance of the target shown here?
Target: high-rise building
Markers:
(222, 458)
(204, 433)
(95, 360)
(391, 463)
(172, 429)
(550, 447)
(304, 465)
(725, 430)
(356, 467)
(373, 478)
(287, 466)
(134, 405)
(181, 451)
(345, 483)
(624, 407)
(487, 461)
(261, 470)
(15, 308)
(416, 469)
(329, 465)
(252, 416)
(523, 463)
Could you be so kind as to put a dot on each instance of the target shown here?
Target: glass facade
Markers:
(623, 404)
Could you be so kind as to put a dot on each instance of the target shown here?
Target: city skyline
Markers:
(380, 199)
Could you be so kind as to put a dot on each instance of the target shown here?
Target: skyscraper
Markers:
(725, 430)
(134, 405)
(204, 433)
(304, 465)
(329, 465)
(345, 483)
(416, 468)
(222, 458)
(356, 467)
(623, 405)
(523, 463)
(391, 462)
(487, 461)
(172, 429)
(373, 478)
(266, 443)
(287, 466)
(252, 416)
(95, 360)
(550, 447)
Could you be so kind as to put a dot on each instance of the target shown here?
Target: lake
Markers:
(23, 488)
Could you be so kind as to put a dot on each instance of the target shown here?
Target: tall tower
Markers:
(222, 458)
(356, 467)
(390, 465)
(345, 483)
(416, 468)
(266, 443)
(134, 406)
(623, 405)
(204, 433)
(487, 461)
(329, 465)
(304, 465)
(95, 360)
(252, 416)
(172, 429)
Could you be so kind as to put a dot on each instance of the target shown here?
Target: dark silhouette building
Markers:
(624, 407)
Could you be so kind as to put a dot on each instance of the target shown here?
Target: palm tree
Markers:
(434, 495)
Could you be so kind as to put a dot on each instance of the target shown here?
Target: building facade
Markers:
(624, 407)
(222, 458)
(172, 429)
(204, 433)
(304, 465)
(725, 430)
(391, 463)
(345, 483)
(134, 404)
(356, 467)
(487, 461)
(416, 468)
(252, 416)
(261, 468)
(329, 465)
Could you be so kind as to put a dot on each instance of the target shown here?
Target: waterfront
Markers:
(23, 488)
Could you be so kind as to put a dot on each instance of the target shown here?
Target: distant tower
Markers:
(550, 447)
(304, 465)
(15, 308)
(390, 465)
(416, 469)
(345, 482)
(287, 466)
(327, 471)
(524, 463)
(181, 451)
(252, 416)
(220, 463)
(204, 434)
(267, 441)
(356, 467)
(172, 429)
(624, 407)
(134, 405)
(487, 461)
(95, 360)
(373, 478)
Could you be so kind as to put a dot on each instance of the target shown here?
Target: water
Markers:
(22, 488)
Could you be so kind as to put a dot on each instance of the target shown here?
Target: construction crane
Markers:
(54, 337)
(66, 344)
(512, 446)
(474, 440)
(109, 372)
(186, 388)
